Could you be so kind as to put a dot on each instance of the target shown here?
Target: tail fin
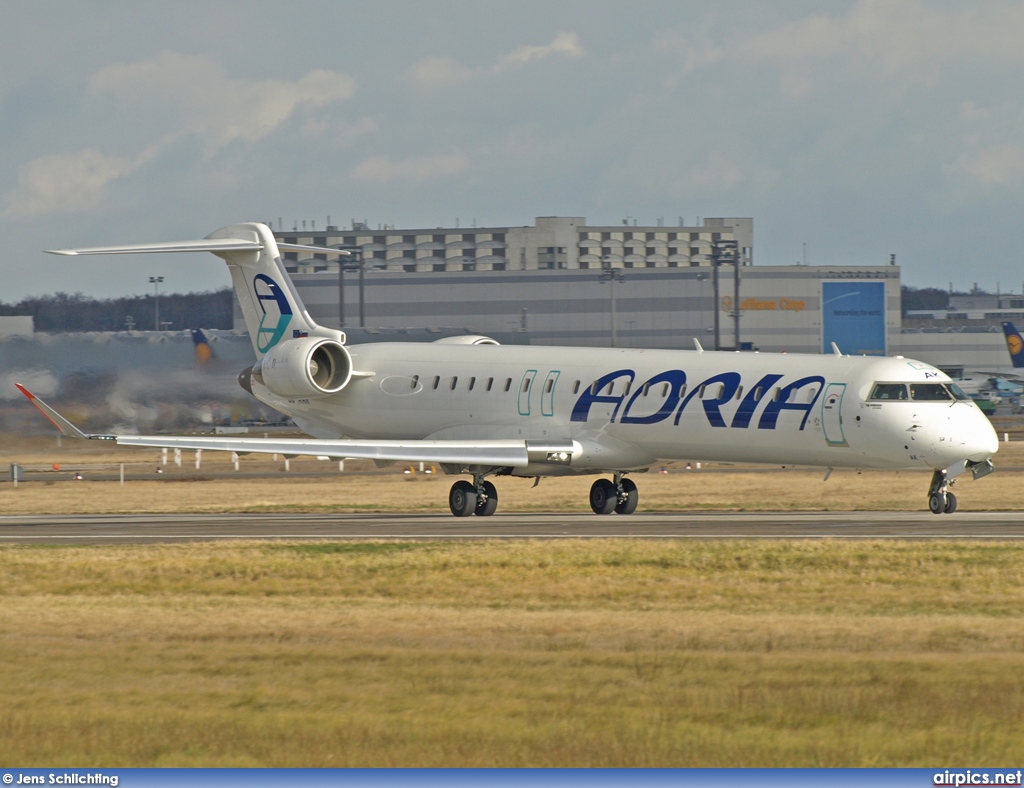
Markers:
(1014, 343)
(204, 353)
(270, 304)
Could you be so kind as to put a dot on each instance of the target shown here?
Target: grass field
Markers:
(612, 653)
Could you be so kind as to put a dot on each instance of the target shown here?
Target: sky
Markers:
(852, 130)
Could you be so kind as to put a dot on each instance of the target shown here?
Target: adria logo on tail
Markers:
(277, 312)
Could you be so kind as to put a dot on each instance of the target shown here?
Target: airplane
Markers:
(480, 409)
(1015, 346)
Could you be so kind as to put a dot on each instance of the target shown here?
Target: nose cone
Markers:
(979, 437)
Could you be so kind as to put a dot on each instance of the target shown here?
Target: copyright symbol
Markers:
(8, 779)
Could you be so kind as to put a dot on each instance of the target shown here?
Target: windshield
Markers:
(918, 392)
(889, 391)
(929, 392)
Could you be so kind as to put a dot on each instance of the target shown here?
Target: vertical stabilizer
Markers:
(270, 304)
(1014, 343)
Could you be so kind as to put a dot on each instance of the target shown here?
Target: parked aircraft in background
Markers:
(996, 382)
(480, 409)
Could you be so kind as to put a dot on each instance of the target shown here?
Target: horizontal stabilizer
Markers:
(205, 245)
(214, 245)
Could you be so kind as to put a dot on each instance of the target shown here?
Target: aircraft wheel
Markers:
(462, 499)
(603, 497)
(631, 496)
(937, 503)
(950, 503)
(485, 508)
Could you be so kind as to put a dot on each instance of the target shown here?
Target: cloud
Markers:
(188, 96)
(878, 39)
(203, 100)
(998, 165)
(382, 170)
(434, 73)
(567, 44)
(66, 182)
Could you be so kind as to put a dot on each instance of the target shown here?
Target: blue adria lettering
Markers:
(714, 394)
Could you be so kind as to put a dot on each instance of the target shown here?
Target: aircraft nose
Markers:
(980, 439)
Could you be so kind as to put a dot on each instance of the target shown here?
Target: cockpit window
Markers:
(889, 391)
(957, 392)
(929, 392)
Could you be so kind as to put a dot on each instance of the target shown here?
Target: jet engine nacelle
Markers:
(306, 368)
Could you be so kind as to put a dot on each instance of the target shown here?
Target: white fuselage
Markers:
(630, 408)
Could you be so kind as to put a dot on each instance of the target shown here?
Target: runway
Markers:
(171, 528)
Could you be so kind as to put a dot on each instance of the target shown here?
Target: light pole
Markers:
(612, 275)
(155, 281)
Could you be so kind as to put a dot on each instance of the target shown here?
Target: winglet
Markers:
(63, 425)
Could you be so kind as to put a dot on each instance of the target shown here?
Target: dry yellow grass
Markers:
(614, 653)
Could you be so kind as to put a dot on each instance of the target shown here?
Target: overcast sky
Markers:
(859, 128)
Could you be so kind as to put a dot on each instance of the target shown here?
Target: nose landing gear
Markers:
(619, 496)
(940, 500)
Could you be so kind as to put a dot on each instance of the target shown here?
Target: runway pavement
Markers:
(169, 528)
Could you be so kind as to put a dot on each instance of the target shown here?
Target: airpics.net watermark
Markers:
(62, 778)
(958, 777)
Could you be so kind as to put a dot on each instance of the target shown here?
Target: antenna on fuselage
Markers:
(696, 344)
(835, 349)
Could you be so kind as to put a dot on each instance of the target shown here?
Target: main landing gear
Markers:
(619, 496)
(940, 500)
(478, 497)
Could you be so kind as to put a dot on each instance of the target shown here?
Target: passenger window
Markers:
(739, 392)
(758, 392)
(576, 387)
(887, 391)
(508, 383)
(490, 383)
(611, 387)
(437, 381)
(455, 382)
(775, 396)
(415, 381)
(472, 382)
(929, 392)
(700, 392)
(550, 385)
(629, 385)
(593, 388)
(647, 388)
(526, 384)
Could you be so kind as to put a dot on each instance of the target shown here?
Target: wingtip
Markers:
(24, 391)
(64, 252)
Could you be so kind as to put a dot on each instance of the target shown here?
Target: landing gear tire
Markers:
(462, 499)
(937, 502)
(950, 503)
(628, 498)
(603, 497)
(487, 504)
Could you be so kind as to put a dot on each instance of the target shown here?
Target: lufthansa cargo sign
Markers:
(766, 304)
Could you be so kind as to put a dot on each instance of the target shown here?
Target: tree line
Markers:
(178, 311)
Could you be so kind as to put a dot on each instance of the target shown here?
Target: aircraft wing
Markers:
(1010, 374)
(514, 453)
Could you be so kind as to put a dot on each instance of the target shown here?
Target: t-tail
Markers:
(297, 357)
(1014, 343)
